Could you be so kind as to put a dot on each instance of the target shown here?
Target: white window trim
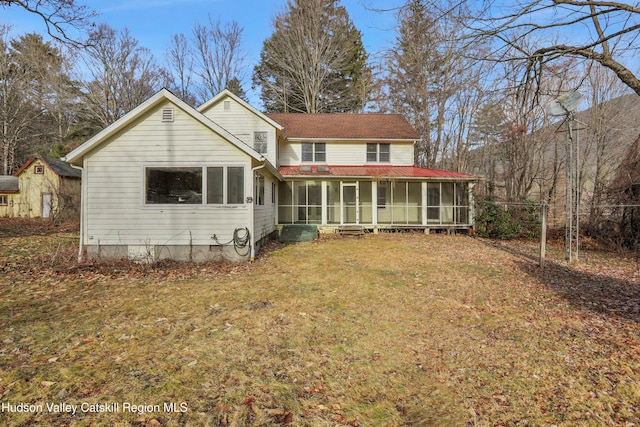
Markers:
(314, 152)
(377, 145)
(265, 142)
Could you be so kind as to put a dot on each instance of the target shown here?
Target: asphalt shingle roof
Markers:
(61, 168)
(9, 183)
(345, 126)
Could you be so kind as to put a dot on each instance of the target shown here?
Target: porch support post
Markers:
(374, 203)
(424, 203)
(324, 202)
(472, 213)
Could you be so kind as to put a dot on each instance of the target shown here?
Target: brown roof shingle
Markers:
(345, 126)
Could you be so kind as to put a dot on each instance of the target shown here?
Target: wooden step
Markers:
(351, 230)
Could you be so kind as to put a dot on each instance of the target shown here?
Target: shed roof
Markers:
(60, 167)
(372, 172)
(345, 126)
(9, 184)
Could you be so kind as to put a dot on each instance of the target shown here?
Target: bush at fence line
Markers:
(500, 220)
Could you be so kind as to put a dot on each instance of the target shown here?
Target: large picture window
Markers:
(175, 185)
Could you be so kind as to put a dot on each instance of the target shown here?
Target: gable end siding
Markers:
(115, 210)
(243, 123)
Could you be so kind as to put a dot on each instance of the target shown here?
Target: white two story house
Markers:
(171, 181)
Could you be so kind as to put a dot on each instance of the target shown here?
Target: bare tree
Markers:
(59, 16)
(180, 59)
(599, 31)
(123, 74)
(219, 56)
(432, 84)
(611, 121)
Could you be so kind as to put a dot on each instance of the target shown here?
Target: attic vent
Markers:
(323, 169)
(227, 105)
(167, 114)
(305, 168)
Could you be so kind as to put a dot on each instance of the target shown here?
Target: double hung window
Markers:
(314, 152)
(260, 141)
(378, 153)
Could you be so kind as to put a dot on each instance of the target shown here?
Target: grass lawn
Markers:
(384, 330)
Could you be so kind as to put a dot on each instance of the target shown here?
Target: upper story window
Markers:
(39, 169)
(260, 141)
(378, 153)
(314, 152)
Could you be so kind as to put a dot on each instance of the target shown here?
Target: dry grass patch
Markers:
(379, 331)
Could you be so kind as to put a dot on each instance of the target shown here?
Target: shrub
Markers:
(499, 220)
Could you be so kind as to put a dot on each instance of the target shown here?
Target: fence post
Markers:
(543, 234)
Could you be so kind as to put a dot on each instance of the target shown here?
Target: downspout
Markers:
(253, 208)
(82, 199)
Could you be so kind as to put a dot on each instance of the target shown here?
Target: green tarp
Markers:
(298, 233)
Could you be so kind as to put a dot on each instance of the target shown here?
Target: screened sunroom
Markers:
(373, 203)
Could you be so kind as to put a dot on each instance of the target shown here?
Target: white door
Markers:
(46, 205)
(350, 203)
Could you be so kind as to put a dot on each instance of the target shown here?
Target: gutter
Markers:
(253, 207)
(82, 199)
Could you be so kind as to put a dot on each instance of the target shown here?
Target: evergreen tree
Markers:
(36, 99)
(314, 62)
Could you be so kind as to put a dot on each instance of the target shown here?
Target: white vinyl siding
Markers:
(244, 124)
(115, 210)
(347, 153)
(264, 215)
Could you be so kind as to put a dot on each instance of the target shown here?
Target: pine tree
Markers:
(314, 62)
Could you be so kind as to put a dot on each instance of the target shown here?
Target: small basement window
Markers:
(167, 114)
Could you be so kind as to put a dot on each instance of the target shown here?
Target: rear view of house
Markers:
(171, 181)
(358, 169)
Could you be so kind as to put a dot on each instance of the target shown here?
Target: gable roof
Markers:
(373, 171)
(75, 156)
(59, 167)
(228, 94)
(346, 126)
(9, 184)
